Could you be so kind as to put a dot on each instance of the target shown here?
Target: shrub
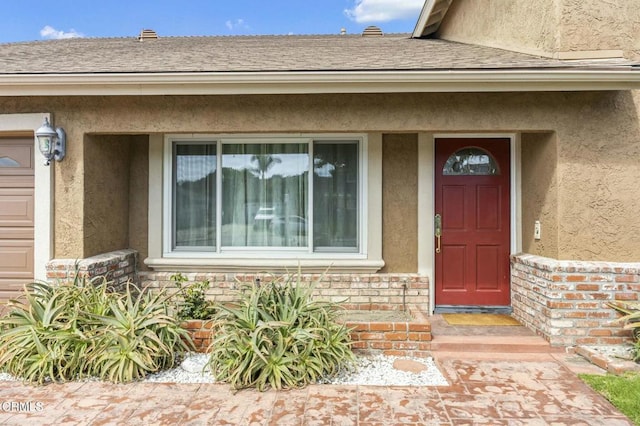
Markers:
(277, 336)
(79, 329)
(191, 300)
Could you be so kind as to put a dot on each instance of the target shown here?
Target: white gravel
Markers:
(369, 370)
(378, 371)
(374, 370)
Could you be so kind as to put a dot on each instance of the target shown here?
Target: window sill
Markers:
(364, 266)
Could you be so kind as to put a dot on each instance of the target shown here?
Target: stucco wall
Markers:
(523, 26)
(598, 182)
(597, 135)
(138, 197)
(562, 28)
(539, 193)
(597, 24)
(106, 194)
(400, 202)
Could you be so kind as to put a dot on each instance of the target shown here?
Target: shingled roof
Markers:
(290, 64)
(398, 52)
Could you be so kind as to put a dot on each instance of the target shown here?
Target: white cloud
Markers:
(238, 24)
(365, 11)
(51, 33)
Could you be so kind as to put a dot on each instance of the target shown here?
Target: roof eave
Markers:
(431, 17)
(238, 83)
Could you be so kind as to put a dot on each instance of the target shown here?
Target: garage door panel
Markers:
(16, 214)
(17, 233)
(16, 157)
(11, 289)
(16, 207)
(16, 181)
(16, 258)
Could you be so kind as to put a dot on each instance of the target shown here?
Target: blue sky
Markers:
(27, 20)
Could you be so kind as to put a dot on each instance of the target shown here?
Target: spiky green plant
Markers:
(72, 330)
(278, 336)
(631, 319)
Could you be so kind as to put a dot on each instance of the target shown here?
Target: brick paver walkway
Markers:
(495, 389)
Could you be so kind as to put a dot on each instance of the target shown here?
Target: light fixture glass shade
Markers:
(51, 142)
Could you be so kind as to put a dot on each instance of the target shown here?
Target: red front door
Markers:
(473, 201)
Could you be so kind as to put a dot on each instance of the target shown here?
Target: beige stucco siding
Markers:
(597, 24)
(500, 23)
(539, 193)
(400, 202)
(597, 139)
(598, 179)
(116, 182)
(106, 194)
(552, 28)
(138, 196)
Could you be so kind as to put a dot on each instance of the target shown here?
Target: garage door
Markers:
(16, 215)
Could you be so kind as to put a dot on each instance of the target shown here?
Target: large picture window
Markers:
(272, 195)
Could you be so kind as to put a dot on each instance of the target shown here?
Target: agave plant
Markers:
(631, 318)
(78, 329)
(278, 336)
(138, 337)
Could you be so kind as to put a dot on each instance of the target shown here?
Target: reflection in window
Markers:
(8, 162)
(194, 196)
(335, 196)
(471, 161)
(265, 195)
(296, 195)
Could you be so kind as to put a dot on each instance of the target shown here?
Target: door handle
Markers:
(437, 224)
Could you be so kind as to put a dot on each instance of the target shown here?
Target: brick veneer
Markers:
(566, 301)
(405, 338)
(117, 266)
(402, 338)
(201, 333)
(355, 291)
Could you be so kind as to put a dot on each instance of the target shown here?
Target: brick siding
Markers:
(406, 338)
(566, 301)
(354, 291)
(117, 266)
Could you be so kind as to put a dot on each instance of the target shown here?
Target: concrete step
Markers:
(496, 344)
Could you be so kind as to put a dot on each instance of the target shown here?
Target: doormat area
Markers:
(479, 319)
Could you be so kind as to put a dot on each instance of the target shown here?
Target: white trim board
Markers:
(426, 201)
(368, 259)
(210, 83)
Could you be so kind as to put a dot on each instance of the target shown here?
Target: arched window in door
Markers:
(471, 161)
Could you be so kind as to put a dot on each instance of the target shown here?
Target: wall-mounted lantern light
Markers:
(52, 142)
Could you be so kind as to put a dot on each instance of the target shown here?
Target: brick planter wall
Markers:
(565, 301)
(406, 338)
(117, 266)
(354, 291)
(200, 332)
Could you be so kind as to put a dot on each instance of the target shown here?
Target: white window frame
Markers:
(266, 253)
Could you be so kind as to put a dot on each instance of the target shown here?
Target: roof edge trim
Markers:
(317, 82)
(431, 17)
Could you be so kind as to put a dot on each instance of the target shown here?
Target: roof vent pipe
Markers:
(147, 35)
(372, 31)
